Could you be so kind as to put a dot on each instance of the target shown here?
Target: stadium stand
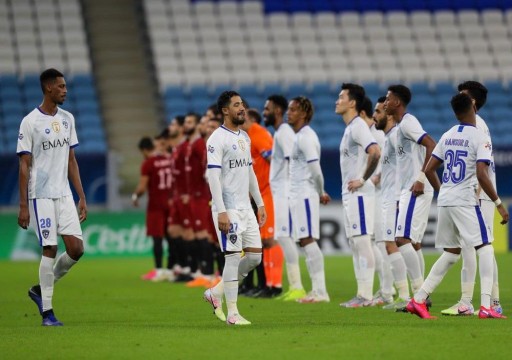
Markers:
(31, 40)
(309, 47)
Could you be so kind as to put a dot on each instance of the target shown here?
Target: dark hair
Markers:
(213, 108)
(461, 104)
(279, 101)
(47, 76)
(355, 92)
(381, 99)
(196, 116)
(146, 144)
(402, 92)
(255, 115)
(476, 90)
(367, 106)
(163, 135)
(180, 119)
(305, 105)
(225, 98)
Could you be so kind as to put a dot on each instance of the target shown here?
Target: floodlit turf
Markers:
(109, 312)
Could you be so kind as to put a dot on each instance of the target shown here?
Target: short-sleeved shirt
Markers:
(195, 168)
(48, 139)
(410, 153)
(390, 188)
(231, 152)
(178, 169)
(261, 150)
(481, 125)
(306, 149)
(460, 148)
(356, 140)
(158, 169)
(380, 138)
(281, 152)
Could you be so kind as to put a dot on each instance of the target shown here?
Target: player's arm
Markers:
(482, 175)
(372, 162)
(318, 179)
(74, 176)
(141, 188)
(254, 190)
(430, 172)
(419, 185)
(24, 171)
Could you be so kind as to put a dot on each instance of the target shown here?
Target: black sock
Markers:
(158, 251)
(219, 258)
(172, 252)
(192, 255)
(206, 257)
(248, 282)
(260, 272)
(181, 254)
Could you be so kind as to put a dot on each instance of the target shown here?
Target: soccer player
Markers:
(273, 115)
(232, 179)
(359, 157)
(414, 147)
(156, 179)
(478, 94)
(466, 154)
(261, 152)
(385, 293)
(46, 143)
(390, 193)
(305, 193)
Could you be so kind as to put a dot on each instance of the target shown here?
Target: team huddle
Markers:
(222, 190)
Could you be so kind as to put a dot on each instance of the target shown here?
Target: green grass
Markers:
(109, 313)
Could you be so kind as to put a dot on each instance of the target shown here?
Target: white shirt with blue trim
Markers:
(460, 148)
(48, 139)
(389, 181)
(481, 125)
(230, 152)
(306, 149)
(354, 145)
(281, 152)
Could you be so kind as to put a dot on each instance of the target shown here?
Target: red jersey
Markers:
(158, 168)
(179, 186)
(195, 167)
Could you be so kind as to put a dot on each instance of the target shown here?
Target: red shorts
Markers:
(156, 221)
(267, 230)
(200, 209)
(180, 214)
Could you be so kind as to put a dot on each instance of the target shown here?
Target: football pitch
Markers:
(109, 312)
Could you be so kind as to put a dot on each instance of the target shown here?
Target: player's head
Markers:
(275, 108)
(213, 112)
(398, 96)
(254, 116)
(350, 98)
(190, 124)
(231, 105)
(176, 126)
(161, 140)
(379, 115)
(366, 108)
(462, 106)
(146, 146)
(203, 123)
(300, 112)
(476, 90)
(53, 85)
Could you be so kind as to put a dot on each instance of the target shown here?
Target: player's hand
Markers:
(135, 202)
(185, 199)
(353, 185)
(82, 210)
(417, 188)
(325, 199)
(504, 214)
(23, 217)
(262, 216)
(223, 221)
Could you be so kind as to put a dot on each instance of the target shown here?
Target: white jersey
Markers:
(389, 182)
(380, 138)
(281, 152)
(460, 148)
(306, 149)
(231, 152)
(481, 125)
(48, 139)
(356, 139)
(410, 154)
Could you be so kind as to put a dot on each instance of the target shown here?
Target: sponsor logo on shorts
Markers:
(233, 238)
(354, 226)
(303, 229)
(46, 233)
(389, 231)
(284, 228)
(399, 227)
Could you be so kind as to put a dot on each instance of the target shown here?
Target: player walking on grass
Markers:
(466, 154)
(414, 147)
(46, 143)
(359, 157)
(389, 209)
(273, 115)
(478, 94)
(231, 179)
(305, 194)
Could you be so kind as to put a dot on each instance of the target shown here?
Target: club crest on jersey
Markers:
(45, 233)
(56, 126)
(211, 149)
(47, 131)
(233, 238)
(20, 136)
(241, 143)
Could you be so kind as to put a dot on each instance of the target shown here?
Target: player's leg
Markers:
(421, 258)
